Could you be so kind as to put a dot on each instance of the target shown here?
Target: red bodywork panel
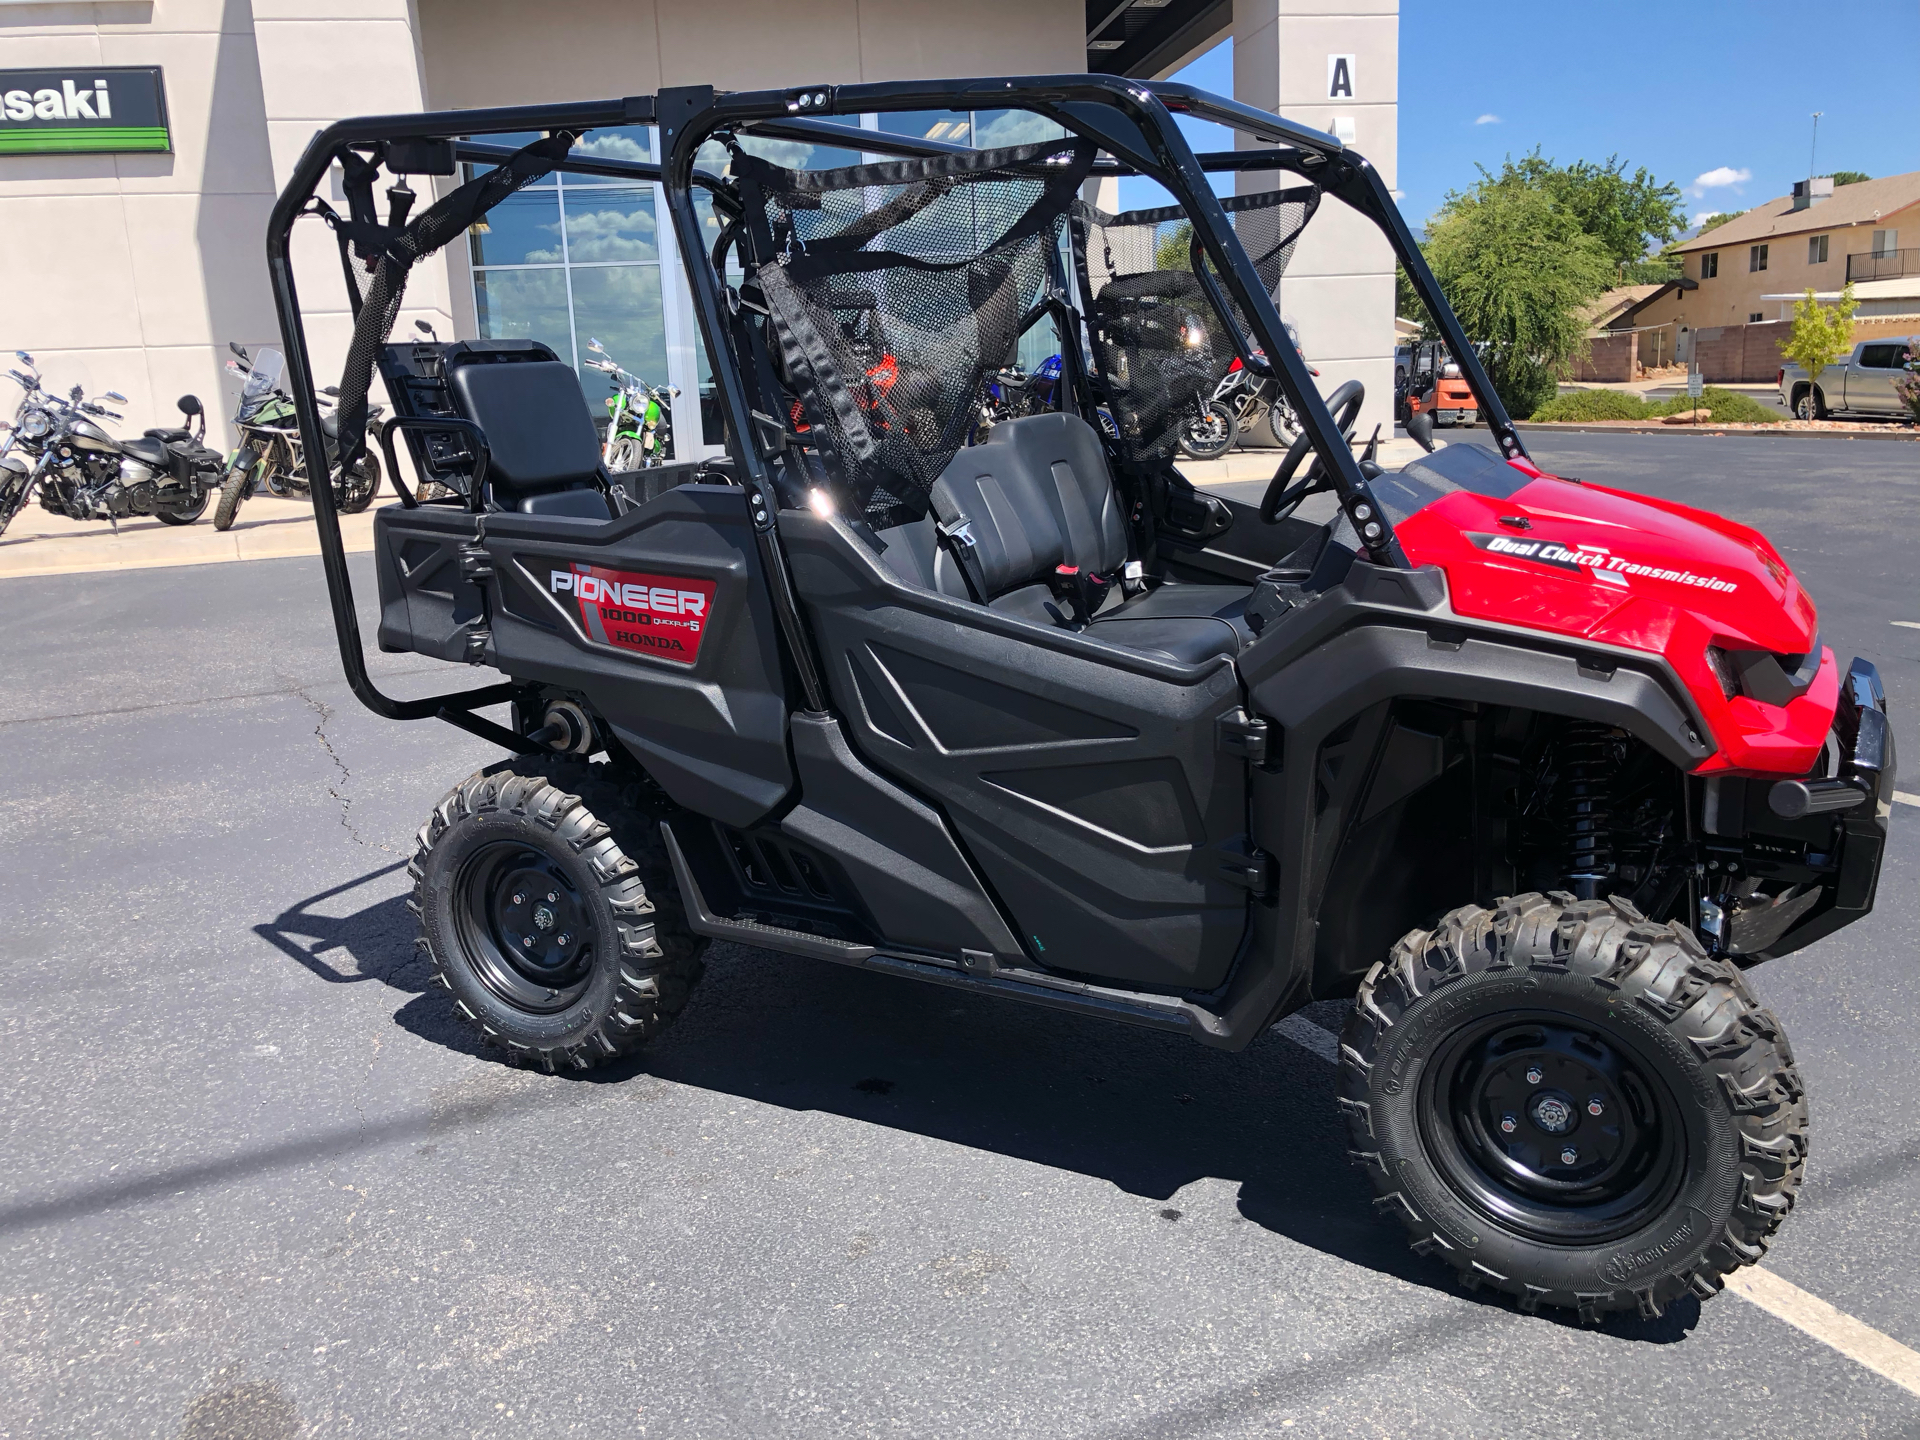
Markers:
(1643, 574)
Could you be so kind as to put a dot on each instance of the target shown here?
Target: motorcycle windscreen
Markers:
(268, 366)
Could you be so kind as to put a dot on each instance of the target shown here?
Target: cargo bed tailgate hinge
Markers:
(1243, 735)
(1245, 864)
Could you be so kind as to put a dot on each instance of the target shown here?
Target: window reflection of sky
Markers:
(606, 225)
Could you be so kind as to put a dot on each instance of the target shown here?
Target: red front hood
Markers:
(1645, 574)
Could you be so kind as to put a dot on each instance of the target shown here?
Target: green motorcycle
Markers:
(270, 454)
(640, 423)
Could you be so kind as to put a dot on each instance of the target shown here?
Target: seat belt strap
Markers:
(955, 530)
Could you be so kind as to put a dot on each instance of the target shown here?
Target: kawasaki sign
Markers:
(63, 112)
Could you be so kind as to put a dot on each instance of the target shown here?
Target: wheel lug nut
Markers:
(519, 899)
(1534, 1075)
(1508, 1124)
(551, 897)
(1596, 1106)
(1569, 1155)
(527, 942)
(564, 939)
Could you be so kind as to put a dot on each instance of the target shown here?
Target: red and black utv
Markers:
(1530, 769)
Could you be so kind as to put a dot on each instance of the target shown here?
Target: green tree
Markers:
(1849, 177)
(1519, 268)
(1628, 215)
(1407, 304)
(1714, 222)
(1821, 334)
(1173, 247)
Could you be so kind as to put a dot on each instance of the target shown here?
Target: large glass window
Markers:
(576, 258)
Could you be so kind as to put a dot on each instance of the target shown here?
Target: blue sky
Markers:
(1717, 97)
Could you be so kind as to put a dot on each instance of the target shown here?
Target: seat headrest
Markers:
(539, 431)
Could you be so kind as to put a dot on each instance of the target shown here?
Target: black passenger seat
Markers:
(544, 448)
(1037, 495)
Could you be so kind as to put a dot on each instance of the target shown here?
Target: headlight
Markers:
(1764, 676)
(35, 423)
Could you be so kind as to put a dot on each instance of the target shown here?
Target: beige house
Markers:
(1817, 238)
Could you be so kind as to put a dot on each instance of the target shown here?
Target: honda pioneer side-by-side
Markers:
(1530, 770)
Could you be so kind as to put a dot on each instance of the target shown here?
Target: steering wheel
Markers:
(1282, 499)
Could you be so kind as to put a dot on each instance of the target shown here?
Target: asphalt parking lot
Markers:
(260, 1184)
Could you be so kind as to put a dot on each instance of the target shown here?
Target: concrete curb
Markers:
(1576, 427)
(270, 529)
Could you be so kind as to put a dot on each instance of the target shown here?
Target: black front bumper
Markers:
(1832, 858)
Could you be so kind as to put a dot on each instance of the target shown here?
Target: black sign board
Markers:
(64, 112)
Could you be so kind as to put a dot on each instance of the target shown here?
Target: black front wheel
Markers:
(549, 909)
(355, 491)
(235, 488)
(1209, 435)
(1572, 1104)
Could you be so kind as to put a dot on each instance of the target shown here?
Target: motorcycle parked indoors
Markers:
(1244, 397)
(56, 445)
(270, 455)
(640, 424)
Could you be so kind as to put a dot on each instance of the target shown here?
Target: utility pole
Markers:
(1816, 142)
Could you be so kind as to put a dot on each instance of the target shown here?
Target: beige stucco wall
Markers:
(131, 272)
(1338, 288)
(1734, 295)
(504, 52)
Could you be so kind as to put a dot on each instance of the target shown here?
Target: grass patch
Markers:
(1724, 407)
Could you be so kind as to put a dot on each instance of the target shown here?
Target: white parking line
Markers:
(1909, 624)
(1860, 1343)
(1855, 1339)
(1906, 799)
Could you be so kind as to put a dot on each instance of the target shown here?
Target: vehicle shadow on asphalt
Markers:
(1147, 1112)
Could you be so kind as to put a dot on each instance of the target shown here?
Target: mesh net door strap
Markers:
(895, 290)
(1159, 346)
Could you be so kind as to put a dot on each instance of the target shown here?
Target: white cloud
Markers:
(1719, 178)
(1704, 216)
(1488, 120)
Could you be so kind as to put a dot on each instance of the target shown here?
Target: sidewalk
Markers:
(269, 528)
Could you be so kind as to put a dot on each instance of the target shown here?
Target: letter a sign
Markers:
(1340, 77)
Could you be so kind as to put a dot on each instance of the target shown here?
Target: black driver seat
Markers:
(1038, 495)
(544, 449)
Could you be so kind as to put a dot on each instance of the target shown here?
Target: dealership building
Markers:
(142, 143)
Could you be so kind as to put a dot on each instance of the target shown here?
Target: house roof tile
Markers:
(1855, 204)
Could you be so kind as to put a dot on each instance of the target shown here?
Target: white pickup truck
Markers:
(1862, 382)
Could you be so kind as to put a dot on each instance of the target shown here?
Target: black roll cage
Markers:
(1130, 120)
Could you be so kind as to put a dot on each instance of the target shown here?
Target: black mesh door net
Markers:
(895, 290)
(1159, 345)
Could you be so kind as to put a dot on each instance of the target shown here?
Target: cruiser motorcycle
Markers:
(269, 453)
(640, 430)
(83, 473)
(1243, 398)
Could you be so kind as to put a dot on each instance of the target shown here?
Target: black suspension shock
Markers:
(1589, 761)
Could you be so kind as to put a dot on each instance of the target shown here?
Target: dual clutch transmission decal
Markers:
(663, 615)
(1593, 561)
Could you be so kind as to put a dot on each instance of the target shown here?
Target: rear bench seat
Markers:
(1038, 495)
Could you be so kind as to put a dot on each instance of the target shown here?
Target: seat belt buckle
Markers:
(1080, 589)
(1133, 577)
(959, 531)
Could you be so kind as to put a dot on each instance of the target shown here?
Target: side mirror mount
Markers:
(115, 396)
(1420, 429)
(76, 394)
(427, 330)
(189, 404)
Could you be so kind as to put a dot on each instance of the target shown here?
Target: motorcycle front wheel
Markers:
(1281, 421)
(356, 492)
(624, 454)
(1209, 436)
(237, 486)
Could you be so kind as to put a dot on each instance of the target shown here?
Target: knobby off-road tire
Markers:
(573, 845)
(1692, 1074)
(234, 491)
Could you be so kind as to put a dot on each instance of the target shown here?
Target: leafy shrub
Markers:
(1724, 407)
(1522, 384)
(1727, 407)
(1587, 405)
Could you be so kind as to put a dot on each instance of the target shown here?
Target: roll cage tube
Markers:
(1140, 138)
(1169, 160)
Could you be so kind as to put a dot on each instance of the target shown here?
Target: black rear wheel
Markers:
(1574, 1105)
(547, 906)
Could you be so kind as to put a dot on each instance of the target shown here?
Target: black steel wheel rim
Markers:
(524, 929)
(1551, 1129)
